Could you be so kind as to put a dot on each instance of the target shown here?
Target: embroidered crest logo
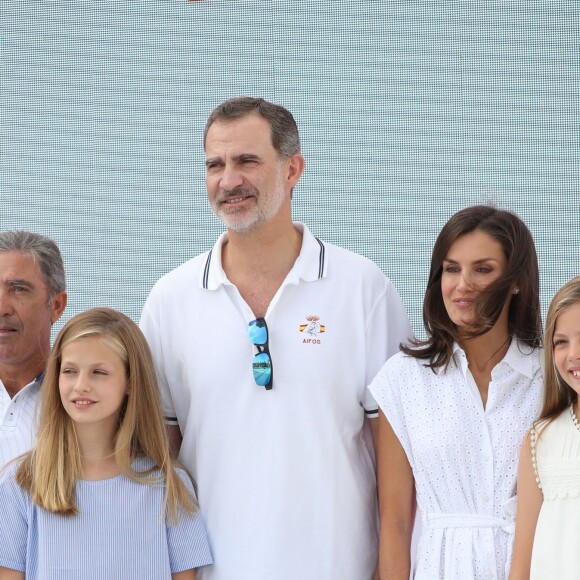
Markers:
(313, 329)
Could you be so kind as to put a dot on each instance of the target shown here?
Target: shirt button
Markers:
(486, 498)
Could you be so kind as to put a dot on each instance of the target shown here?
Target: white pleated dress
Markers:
(556, 552)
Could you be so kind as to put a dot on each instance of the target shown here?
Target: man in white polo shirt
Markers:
(264, 347)
(32, 298)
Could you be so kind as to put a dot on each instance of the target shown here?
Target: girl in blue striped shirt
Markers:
(100, 497)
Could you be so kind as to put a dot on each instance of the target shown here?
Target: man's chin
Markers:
(240, 224)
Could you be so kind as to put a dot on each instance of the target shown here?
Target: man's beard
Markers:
(241, 220)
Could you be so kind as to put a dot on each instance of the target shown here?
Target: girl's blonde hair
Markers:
(50, 471)
(557, 394)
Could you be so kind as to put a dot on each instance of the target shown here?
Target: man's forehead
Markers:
(249, 131)
(15, 265)
(250, 118)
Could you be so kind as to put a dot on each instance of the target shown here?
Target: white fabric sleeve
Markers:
(187, 540)
(13, 523)
(150, 328)
(390, 394)
(388, 326)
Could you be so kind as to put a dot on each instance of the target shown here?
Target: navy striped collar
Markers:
(310, 265)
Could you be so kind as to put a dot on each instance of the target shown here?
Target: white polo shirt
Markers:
(18, 418)
(286, 479)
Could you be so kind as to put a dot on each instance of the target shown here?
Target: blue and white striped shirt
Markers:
(119, 533)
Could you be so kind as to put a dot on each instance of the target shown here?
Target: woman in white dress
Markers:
(548, 518)
(456, 406)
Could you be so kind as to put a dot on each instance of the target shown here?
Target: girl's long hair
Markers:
(557, 394)
(524, 319)
(50, 471)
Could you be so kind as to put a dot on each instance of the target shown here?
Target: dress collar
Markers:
(518, 357)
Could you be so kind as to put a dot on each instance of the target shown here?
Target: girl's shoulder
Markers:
(9, 488)
(547, 437)
(143, 464)
(8, 472)
(553, 425)
(185, 477)
(556, 456)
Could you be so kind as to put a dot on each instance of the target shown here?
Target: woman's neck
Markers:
(97, 452)
(483, 353)
(487, 350)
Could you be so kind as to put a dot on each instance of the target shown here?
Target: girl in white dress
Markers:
(455, 407)
(100, 497)
(548, 516)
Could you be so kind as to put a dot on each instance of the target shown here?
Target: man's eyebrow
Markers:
(242, 157)
(20, 282)
(213, 161)
(247, 157)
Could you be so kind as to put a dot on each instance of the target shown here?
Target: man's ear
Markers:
(295, 167)
(58, 305)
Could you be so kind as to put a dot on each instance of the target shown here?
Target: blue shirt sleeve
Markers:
(14, 509)
(187, 541)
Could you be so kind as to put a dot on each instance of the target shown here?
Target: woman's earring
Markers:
(516, 291)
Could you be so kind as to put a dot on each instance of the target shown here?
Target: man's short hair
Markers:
(42, 250)
(284, 131)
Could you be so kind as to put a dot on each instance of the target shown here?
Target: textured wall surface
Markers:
(408, 112)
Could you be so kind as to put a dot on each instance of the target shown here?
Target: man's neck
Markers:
(15, 378)
(258, 262)
(267, 251)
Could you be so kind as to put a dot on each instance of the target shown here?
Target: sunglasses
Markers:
(262, 363)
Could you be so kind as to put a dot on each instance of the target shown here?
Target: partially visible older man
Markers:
(32, 298)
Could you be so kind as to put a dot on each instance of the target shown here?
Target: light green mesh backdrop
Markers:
(408, 112)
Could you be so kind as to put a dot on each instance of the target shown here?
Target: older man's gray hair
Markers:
(43, 251)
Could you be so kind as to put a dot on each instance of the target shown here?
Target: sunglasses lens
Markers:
(262, 367)
(258, 332)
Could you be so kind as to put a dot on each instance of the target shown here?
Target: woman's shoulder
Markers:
(400, 375)
(524, 358)
(404, 362)
(391, 367)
